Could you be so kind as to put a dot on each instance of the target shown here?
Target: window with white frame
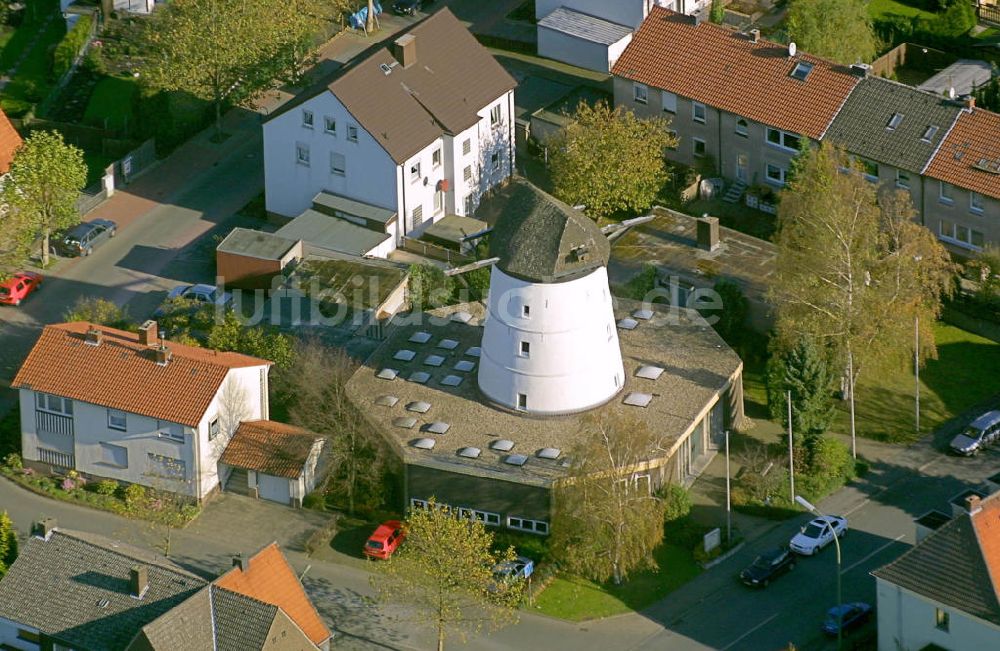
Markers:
(531, 526)
(307, 118)
(54, 404)
(415, 172)
(526, 311)
(902, 179)
(640, 92)
(776, 174)
(114, 455)
(436, 158)
(669, 101)
(946, 192)
(302, 153)
(741, 127)
(975, 202)
(522, 401)
(466, 146)
(330, 125)
(495, 160)
(961, 235)
(496, 113)
(698, 146)
(170, 431)
(117, 420)
(438, 201)
(418, 504)
(213, 429)
(417, 216)
(352, 133)
(783, 139)
(525, 349)
(338, 164)
(869, 169)
(159, 465)
(467, 174)
(486, 517)
(470, 204)
(698, 112)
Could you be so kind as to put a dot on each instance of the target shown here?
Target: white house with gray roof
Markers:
(418, 131)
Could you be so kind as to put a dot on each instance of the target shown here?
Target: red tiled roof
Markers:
(10, 140)
(122, 374)
(269, 447)
(987, 525)
(974, 140)
(722, 68)
(269, 578)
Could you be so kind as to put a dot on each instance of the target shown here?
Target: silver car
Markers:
(980, 433)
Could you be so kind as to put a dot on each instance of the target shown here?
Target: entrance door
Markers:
(742, 167)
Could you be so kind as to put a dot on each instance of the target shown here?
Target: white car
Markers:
(817, 534)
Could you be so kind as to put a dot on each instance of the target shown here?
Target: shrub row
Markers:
(70, 46)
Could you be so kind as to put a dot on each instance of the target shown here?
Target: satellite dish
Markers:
(792, 49)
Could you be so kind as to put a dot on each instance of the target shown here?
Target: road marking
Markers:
(859, 506)
(928, 464)
(752, 630)
(891, 542)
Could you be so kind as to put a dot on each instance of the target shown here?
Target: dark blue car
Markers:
(850, 616)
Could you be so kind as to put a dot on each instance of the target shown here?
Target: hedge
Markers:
(70, 46)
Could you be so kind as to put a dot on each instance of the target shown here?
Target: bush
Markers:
(13, 461)
(315, 501)
(534, 547)
(105, 487)
(830, 466)
(134, 495)
(101, 312)
(676, 502)
(70, 46)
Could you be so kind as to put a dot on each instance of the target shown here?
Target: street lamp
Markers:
(836, 541)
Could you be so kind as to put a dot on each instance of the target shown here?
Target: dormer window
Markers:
(802, 70)
(894, 121)
(929, 133)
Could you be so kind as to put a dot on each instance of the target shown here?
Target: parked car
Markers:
(817, 534)
(768, 566)
(846, 617)
(519, 568)
(82, 239)
(16, 288)
(409, 7)
(980, 433)
(200, 294)
(386, 540)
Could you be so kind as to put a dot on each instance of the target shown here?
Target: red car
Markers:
(16, 288)
(385, 540)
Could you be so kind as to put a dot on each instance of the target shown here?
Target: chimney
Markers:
(404, 49)
(861, 69)
(972, 504)
(754, 35)
(93, 337)
(708, 232)
(163, 355)
(148, 333)
(43, 528)
(242, 563)
(138, 581)
(968, 101)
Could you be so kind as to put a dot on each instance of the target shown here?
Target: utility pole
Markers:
(791, 458)
(729, 506)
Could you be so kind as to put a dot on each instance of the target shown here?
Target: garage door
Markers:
(273, 488)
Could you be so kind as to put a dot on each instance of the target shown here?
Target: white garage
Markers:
(581, 39)
(272, 461)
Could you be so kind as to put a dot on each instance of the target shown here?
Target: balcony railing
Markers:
(58, 459)
(53, 423)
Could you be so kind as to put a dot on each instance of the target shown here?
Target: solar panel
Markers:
(434, 360)
(406, 422)
(515, 459)
(424, 444)
(388, 374)
(502, 445)
(418, 406)
(438, 427)
(636, 399)
(474, 351)
(386, 401)
(420, 377)
(628, 323)
(448, 344)
(649, 372)
(464, 365)
(470, 453)
(461, 316)
(452, 380)
(643, 315)
(549, 453)
(420, 337)
(404, 355)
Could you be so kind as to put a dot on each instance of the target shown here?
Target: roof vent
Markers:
(434, 360)
(502, 445)
(419, 407)
(93, 337)
(628, 323)
(461, 316)
(474, 351)
(148, 333)
(929, 133)
(452, 380)
(424, 444)
(163, 355)
(406, 422)
(386, 69)
(386, 401)
(438, 427)
(464, 365)
(649, 372)
(387, 374)
(43, 528)
(448, 344)
(404, 355)
(420, 337)
(420, 377)
(470, 453)
(894, 121)
(636, 399)
(549, 453)
(754, 35)
(643, 314)
(515, 459)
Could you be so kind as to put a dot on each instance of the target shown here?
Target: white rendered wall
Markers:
(579, 52)
(8, 635)
(908, 621)
(623, 12)
(574, 360)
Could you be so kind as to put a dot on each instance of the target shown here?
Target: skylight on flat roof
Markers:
(628, 323)
(470, 453)
(464, 365)
(929, 133)
(474, 351)
(448, 344)
(894, 121)
(404, 355)
(515, 459)
(406, 422)
(420, 337)
(502, 445)
(420, 377)
(424, 444)
(418, 406)
(461, 316)
(438, 427)
(452, 380)
(643, 315)
(636, 399)
(649, 372)
(386, 401)
(801, 70)
(388, 374)
(549, 453)
(433, 360)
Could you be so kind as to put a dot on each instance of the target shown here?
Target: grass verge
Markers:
(879, 9)
(112, 103)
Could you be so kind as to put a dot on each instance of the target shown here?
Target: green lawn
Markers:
(112, 103)
(881, 8)
(577, 599)
(32, 82)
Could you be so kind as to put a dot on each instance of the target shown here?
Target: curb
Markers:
(716, 561)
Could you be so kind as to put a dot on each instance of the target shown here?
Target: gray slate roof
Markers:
(334, 204)
(585, 26)
(75, 588)
(948, 567)
(241, 623)
(537, 237)
(332, 233)
(861, 126)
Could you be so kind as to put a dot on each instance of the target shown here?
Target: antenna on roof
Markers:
(792, 49)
